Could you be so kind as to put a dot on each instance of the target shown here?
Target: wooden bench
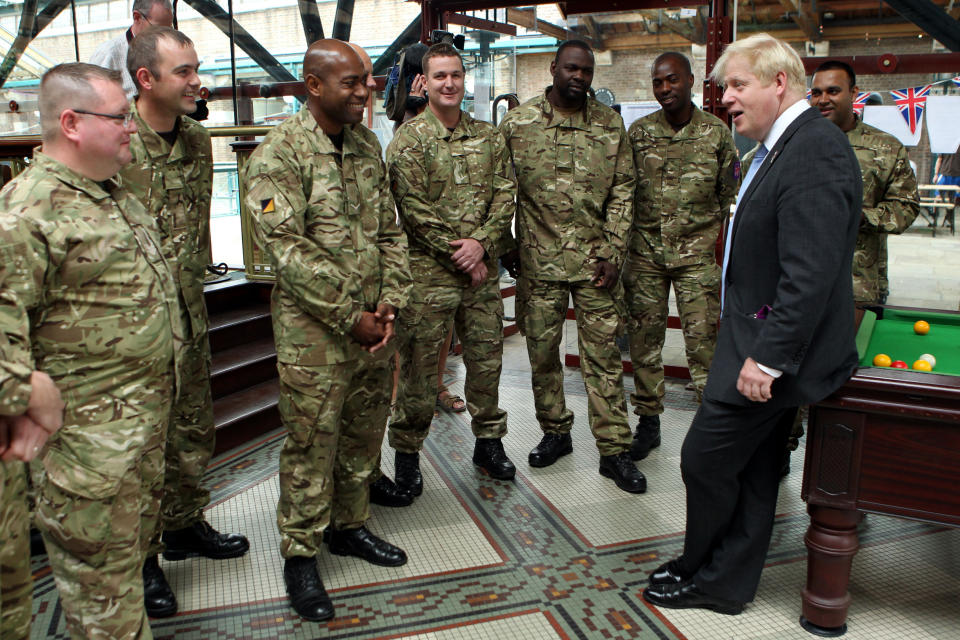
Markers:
(932, 205)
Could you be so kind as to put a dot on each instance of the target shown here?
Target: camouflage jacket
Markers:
(329, 228)
(175, 184)
(87, 297)
(686, 182)
(450, 186)
(890, 202)
(575, 181)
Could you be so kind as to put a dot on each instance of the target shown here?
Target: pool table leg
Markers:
(831, 544)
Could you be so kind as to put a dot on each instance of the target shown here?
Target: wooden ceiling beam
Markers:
(527, 18)
(805, 17)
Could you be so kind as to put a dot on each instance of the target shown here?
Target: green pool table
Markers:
(891, 332)
(886, 442)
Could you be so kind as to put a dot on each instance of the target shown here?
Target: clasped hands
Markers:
(468, 257)
(21, 437)
(374, 329)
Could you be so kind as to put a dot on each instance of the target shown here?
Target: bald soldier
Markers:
(87, 297)
(318, 192)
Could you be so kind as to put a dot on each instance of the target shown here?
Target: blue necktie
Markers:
(754, 166)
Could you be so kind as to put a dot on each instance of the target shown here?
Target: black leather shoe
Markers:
(158, 598)
(406, 470)
(305, 589)
(488, 454)
(646, 438)
(386, 493)
(200, 539)
(551, 447)
(624, 472)
(366, 546)
(686, 595)
(668, 573)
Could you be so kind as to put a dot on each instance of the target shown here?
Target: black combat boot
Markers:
(406, 470)
(646, 438)
(488, 454)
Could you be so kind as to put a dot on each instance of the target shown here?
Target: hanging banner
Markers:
(888, 118)
(911, 102)
(943, 125)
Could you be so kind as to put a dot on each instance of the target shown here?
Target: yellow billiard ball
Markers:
(921, 327)
(929, 358)
(922, 365)
(881, 360)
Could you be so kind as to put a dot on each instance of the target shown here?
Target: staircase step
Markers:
(246, 414)
(239, 326)
(243, 365)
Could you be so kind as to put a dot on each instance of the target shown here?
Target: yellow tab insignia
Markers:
(266, 206)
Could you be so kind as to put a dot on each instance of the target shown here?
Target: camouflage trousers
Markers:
(422, 326)
(98, 509)
(335, 416)
(544, 308)
(16, 582)
(190, 442)
(647, 286)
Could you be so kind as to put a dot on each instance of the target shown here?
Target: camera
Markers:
(438, 35)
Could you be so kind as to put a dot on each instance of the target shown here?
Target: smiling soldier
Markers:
(450, 176)
(686, 163)
(172, 176)
(318, 192)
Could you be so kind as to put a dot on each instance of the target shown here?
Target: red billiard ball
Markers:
(898, 364)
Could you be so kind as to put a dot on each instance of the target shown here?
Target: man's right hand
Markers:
(478, 274)
(368, 331)
(25, 438)
(45, 407)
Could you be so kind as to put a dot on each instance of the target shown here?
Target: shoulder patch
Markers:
(266, 206)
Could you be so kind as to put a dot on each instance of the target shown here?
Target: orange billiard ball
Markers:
(921, 327)
(881, 360)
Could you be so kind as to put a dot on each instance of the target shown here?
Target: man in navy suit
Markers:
(786, 329)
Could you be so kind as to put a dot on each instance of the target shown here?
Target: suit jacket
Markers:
(793, 238)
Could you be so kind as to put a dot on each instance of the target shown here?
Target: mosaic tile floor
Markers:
(559, 553)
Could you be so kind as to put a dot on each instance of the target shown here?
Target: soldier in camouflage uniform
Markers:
(890, 199)
(686, 163)
(172, 175)
(319, 195)
(89, 298)
(450, 176)
(575, 182)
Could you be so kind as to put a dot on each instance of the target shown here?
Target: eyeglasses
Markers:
(123, 118)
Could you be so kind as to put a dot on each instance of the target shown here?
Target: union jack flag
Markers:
(956, 80)
(911, 103)
(809, 93)
(861, 101)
